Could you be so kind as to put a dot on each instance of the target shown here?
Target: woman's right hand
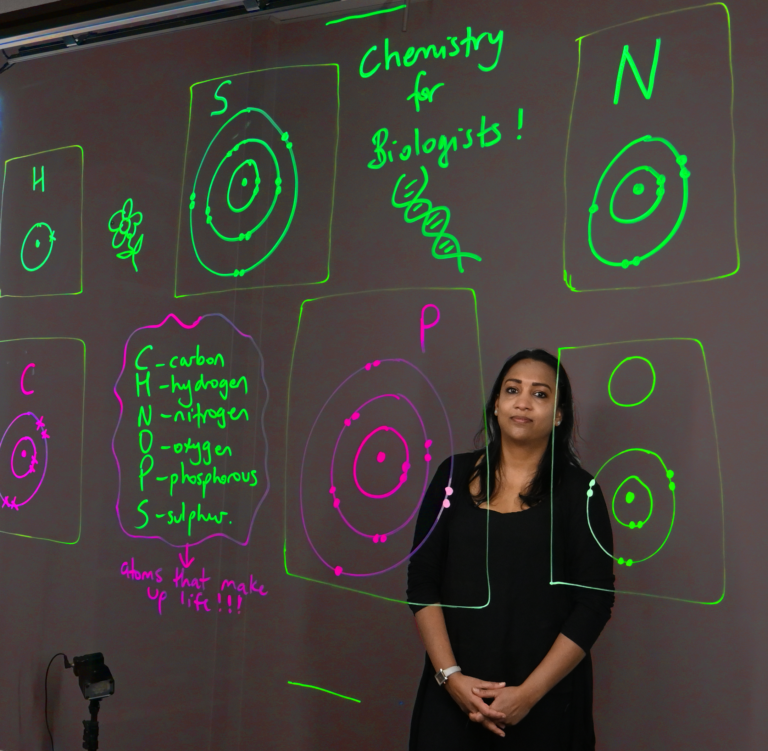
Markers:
(460, 687)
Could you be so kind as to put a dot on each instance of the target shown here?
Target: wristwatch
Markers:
(441, 676)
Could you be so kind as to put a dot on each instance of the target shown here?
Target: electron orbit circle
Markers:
(680, 159)
(51, 241)
(338, 570)
(3, 494)
(210, 222)
(668, 474)
(651, 390)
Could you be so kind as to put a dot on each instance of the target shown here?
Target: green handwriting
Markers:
(200, 416)
(202, 384)
(204, 479)
(487, 135)
(425, 94)
(392, 59)
(203, 450)
(626, 57)
(193, 516)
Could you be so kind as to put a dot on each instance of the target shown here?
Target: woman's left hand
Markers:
(513, 701)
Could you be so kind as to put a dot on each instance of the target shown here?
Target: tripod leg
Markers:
(91, 727)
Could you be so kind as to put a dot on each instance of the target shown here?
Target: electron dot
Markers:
(355, 415)
(336, 502)
(338, 570)
(631, 525)
(592, 483)
(590, 493)
(638, 189)
(403, 478)
(406, 466)
(23, 452)
(630, 496)
(383, 538)
(427, 458)
(347, 422)
(376, 363)
(244, 182)
(629, 561)
(640, 524)
(621, 561)
(427, 444)
(380, 457)
(375, 538)
(449, 490)
(446, 503)
(670, 474)
(37, 243)
(671, 486)
(332, 490)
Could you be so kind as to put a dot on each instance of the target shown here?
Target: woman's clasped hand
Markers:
(467, 692)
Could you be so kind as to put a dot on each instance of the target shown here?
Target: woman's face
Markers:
(527, 402)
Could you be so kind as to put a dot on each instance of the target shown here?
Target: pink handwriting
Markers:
(159, 596)
(424, 326)
(23, 373)
(243, 588)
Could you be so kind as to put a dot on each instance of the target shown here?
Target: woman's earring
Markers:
(495, 411)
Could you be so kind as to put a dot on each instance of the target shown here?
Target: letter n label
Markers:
(626, 57)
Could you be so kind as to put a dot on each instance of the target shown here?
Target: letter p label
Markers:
(424, 326)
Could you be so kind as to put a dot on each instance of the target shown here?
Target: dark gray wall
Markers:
(679, 666)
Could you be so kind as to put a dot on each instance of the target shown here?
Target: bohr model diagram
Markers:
(242, 186)
(400, 443)
(23, 460)
(639, 176)
(634, 503)
(37, 246)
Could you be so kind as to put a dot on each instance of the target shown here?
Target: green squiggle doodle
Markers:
(51, 241)
(244, 236)
(434, 220)
(685, 174)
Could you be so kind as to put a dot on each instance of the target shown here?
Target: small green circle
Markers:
(629, 497)
(613, 373)
(256, 182)
(51, 241)
(638, 189)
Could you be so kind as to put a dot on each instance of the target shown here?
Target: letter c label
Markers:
(23, 373)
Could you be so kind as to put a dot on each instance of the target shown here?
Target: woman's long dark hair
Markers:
(487, 470)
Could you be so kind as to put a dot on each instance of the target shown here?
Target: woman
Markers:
(517, 662)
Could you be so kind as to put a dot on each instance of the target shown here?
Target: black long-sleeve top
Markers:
(500, 569)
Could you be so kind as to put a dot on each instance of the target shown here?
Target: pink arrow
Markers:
(186, 561)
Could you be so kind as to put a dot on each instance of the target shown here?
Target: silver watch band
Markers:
(441, 676)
